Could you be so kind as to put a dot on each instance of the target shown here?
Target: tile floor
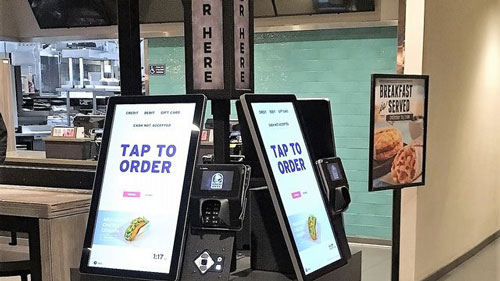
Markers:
(484, 266)
(376, 261)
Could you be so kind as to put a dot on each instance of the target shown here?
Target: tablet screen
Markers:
(142, 185)
(297, 184)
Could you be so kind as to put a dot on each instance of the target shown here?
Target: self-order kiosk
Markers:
(158, 215)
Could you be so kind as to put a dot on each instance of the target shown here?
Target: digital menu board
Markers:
(140, 211)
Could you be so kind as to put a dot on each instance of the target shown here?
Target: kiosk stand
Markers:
(217, 210)
(210, 248)
(270, 259)
(294, 236)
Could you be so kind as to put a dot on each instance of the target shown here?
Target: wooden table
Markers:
(55, 220)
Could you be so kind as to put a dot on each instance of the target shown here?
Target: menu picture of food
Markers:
(311, 226)
(388, 142)
(398, 131)
(136, 227)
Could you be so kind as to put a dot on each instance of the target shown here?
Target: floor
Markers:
(484, 266)
(376, 261)
(12, 253)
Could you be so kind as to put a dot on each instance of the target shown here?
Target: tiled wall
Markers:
(332, 63)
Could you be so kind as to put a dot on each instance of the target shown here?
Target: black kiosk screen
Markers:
(298, 191)
(217, 180)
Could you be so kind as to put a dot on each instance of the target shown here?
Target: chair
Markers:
(15, 268)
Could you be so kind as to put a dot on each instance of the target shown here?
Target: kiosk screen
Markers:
(297, 185)
(139, 219)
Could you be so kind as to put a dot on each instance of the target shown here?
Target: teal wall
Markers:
(330, 63)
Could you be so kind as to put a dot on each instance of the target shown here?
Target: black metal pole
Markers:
(130, 47)
(221, 109)
(396, 233)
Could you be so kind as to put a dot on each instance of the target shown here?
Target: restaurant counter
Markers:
(37, 158)
(32, 168)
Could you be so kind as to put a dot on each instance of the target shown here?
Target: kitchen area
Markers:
(62, 85)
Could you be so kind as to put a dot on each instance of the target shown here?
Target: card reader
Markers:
(335, 183)
(219, 196)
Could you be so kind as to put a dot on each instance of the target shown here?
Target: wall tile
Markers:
(336, 64)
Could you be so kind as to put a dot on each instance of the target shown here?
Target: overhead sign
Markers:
(157, 69)
(242, 44)
(398, 131)
(207, 35)
(219, 47)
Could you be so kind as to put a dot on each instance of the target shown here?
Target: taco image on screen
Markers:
(311, 226)
(136, 227)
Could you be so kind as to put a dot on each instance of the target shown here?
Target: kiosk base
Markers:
(349, 272)
(76, 275)
(215, 249)
(254, 275)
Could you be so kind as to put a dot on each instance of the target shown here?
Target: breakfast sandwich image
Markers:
(387, 142)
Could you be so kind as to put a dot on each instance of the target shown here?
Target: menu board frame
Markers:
(419, 149)
(177, 251)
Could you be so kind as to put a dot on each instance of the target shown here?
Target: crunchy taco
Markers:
(136, 227)
(311, 225)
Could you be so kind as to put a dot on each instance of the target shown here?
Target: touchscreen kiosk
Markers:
(137, 222)
(293, 185)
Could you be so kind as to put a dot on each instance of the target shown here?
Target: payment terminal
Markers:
(335, 183)
(219, 196)
(217, 209)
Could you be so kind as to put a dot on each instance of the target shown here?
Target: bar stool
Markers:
(15, 268)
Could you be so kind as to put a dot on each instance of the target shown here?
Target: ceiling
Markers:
(70, 13)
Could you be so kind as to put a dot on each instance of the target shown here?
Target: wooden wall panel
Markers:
(6, 103)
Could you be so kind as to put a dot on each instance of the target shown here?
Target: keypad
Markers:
(210, 210)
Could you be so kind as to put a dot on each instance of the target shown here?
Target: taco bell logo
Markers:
(217, 181)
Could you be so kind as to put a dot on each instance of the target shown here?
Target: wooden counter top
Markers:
(40, 202)
(55, 220)
(38, 157)
(58, 139)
